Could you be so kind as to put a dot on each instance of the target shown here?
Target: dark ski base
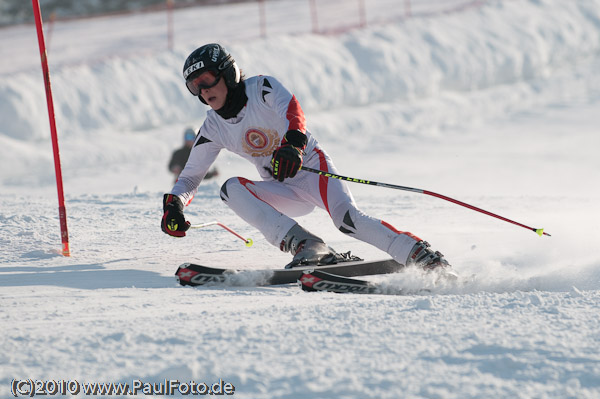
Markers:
(193, 274)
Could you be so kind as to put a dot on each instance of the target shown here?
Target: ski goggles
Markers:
(205, 80)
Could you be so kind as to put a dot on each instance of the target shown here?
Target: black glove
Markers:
(173, 222)
(287, 158)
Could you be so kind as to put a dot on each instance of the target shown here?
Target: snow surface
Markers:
(497, 106)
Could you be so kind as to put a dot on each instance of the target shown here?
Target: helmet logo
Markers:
(215, 54)
(193, 68)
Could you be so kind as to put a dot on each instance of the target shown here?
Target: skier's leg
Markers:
(264, 205)
(335, 197)
(403, 246)
(260, 206)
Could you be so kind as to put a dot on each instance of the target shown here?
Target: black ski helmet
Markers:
(211, 57)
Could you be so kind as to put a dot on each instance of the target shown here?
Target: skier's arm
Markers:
(284, 103)
(202, 156)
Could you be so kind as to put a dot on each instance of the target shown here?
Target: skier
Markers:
(181, 155)
(260, 120)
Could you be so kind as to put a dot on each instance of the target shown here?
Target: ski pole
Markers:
(539, 232)
(248, 241)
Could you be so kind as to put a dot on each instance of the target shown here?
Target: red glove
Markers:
(173, 222)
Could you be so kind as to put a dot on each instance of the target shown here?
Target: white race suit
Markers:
(269, 205)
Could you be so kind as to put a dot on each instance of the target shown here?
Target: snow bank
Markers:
(501, 43)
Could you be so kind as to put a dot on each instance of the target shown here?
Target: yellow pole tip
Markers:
(540, 232)
(249, 242)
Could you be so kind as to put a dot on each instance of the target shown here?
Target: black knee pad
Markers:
(347, 226)
(223, 192)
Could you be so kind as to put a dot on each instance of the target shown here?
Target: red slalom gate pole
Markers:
(62, 212)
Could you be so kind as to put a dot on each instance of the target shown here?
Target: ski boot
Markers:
(421, 256)
(431, 262)
(307, 249)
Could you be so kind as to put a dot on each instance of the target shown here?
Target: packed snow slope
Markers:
(497, 106)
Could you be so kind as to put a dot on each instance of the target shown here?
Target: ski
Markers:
(317, 280)
(197, 275)
(320, 280)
